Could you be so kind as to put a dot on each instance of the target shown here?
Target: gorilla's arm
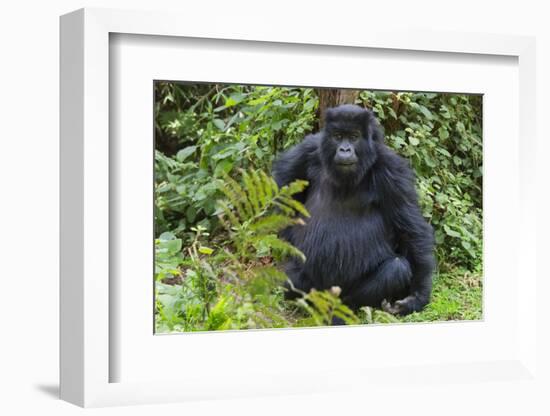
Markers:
(414, 235)
(416, 242)
(296, 163)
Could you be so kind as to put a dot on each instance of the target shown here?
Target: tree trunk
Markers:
(332, 97)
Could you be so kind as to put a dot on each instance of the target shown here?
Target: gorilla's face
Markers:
(347, 150)
(345, 143)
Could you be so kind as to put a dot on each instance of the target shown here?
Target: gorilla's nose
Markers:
(345, 156)
(344, 149)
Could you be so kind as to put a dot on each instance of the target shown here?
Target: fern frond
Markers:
(294, 187)
(228, 190)
(233, 220)
(323, 306)
(321, 300)
(271, 274)
(278, 247)
(345, 313)
(270, 186)
(260, 188)
(252, 190)
(285, 208)
(237, 196)
(295, 205)
(272, 223)
(384, 317)
(256, 210)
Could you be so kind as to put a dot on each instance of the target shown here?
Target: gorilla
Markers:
(366, 233)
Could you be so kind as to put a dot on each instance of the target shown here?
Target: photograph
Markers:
(298, 206)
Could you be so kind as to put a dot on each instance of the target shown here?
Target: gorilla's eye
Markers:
(337, 135)
(354, 135)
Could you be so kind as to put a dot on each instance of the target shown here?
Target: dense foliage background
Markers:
(216, 245)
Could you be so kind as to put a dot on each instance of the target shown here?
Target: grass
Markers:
(457, 296)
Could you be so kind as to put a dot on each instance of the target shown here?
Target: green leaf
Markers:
(223, 167)
(191, 214)
(310, 104)
(443, 151)
(185, 153)
(380, 111)
(173, 246)
(205, 250)
(450, 232)
(167, 236)
(219, 124)
(466, 245)
(414, 141)
(443, 133)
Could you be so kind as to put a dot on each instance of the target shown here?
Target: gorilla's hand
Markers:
(401, 307)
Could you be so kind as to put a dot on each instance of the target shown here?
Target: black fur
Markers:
(366, 233)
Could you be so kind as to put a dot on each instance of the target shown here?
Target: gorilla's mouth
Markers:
(346, 163)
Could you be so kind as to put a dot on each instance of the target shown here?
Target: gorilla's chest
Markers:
(343, 239)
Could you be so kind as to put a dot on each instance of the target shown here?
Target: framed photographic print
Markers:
(222, 253)
(226, 211)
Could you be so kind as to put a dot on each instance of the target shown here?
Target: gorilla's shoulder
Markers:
(312, 142)
(391, 161)
(298, 162)
(309, 148)
(393, 172)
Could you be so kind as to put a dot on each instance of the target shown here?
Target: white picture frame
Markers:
(86, 351)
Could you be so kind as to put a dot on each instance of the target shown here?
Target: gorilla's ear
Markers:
(373, 128)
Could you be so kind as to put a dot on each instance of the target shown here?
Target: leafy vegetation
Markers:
(217, 210)
(237, 284)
